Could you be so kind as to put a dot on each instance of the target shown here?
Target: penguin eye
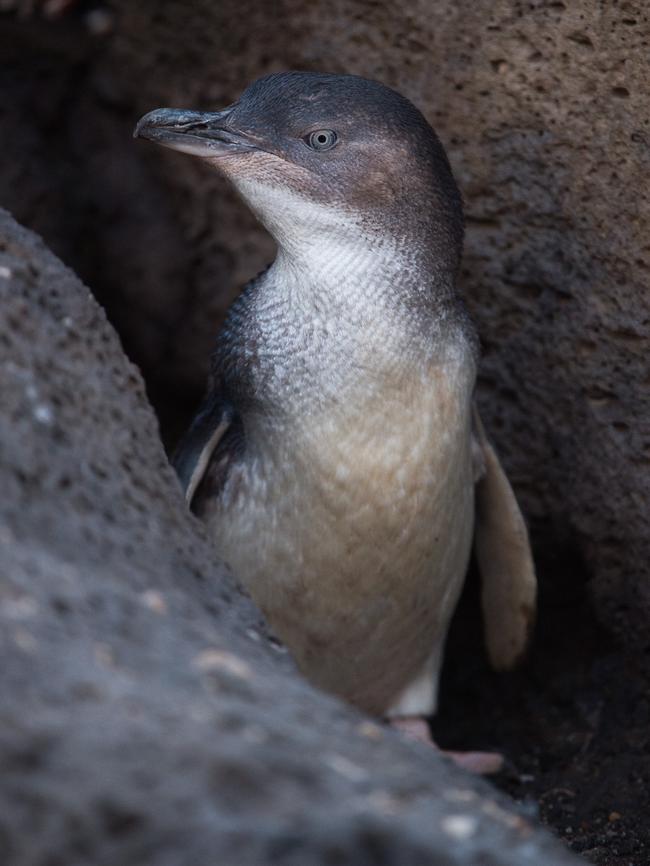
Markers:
(322, 139)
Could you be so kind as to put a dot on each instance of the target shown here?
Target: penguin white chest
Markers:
(352, 528)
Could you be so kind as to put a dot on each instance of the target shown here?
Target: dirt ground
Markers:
(573, 721)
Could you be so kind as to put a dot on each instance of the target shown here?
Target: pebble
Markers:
(459, 826)
(213, 660)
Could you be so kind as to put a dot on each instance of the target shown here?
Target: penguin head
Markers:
(327, 156)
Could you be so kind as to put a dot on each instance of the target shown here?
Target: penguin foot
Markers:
(481, 763)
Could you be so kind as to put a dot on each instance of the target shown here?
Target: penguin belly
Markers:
(352, 531)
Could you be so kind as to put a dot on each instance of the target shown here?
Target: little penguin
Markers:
(338, 459)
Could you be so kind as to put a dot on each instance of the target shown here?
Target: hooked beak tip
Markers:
(158, 120)
(198, 133)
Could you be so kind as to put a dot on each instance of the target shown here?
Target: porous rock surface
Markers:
(144, 716)
(542, 108)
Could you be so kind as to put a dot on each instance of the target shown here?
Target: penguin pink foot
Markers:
(481, 763)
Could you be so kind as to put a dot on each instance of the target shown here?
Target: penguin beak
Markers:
(200, 133)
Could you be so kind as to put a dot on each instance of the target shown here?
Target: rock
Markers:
(145, 717)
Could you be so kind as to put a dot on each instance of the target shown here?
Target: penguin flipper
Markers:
(509, 584)
(195, 450)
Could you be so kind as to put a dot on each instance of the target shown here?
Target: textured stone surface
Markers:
(144, 717)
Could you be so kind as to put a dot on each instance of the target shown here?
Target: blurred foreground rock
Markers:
(144, 717)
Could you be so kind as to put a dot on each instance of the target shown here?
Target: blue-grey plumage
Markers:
(334, 461)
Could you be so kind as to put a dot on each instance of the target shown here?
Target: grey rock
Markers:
(145, 718)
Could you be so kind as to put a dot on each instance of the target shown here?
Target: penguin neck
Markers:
(364, 277)
(342, 315)
(352, 263)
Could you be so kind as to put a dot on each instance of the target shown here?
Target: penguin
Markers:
(338, 459)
